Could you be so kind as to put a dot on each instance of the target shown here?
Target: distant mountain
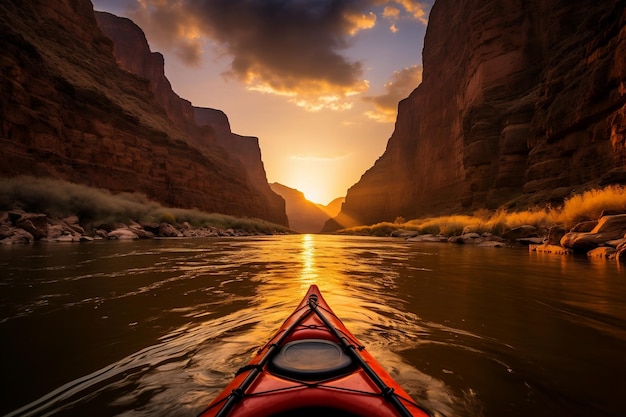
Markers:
(304, 215)
(334, 207)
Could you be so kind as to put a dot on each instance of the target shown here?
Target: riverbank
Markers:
(601, 238)
(20, 227)
(592, 222)
(46, 209)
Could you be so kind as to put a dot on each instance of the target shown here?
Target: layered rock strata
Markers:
(521, 103)
(205, 126)
(69, 111)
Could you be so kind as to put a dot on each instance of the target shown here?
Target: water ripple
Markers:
(177, 318)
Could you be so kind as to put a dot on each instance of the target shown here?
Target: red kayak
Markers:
(313, 366)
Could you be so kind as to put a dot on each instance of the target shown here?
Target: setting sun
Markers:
(314, 184)
(312, 193)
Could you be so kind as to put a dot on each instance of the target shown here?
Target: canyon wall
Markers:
(522, 103)
(205, 126)
(69, 111)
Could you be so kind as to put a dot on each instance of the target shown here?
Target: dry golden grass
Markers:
(590, 204)
(586, 206)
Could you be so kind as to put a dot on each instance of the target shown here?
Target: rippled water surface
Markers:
(158, 327)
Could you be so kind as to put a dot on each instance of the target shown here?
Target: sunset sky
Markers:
(317, 81)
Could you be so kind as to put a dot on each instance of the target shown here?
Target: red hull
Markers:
(261, 390)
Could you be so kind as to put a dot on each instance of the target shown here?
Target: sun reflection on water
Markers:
(308, 273)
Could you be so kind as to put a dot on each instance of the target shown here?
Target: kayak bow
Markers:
(313, 366)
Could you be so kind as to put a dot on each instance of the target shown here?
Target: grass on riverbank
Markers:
(586, 206)
(59, 199)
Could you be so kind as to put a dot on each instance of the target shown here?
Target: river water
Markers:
(158, 327)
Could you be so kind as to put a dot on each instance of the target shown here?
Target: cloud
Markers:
(172, 26)
(416, 9)
(290, 48)
(361, 22)
(391, 12)
(401, 84)
(413, 10)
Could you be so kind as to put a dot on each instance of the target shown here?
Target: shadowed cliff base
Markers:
(55, 210)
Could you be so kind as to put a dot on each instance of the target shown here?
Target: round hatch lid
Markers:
(311, 359)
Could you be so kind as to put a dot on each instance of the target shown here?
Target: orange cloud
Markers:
(361, 22)
(415, 8)
(401, 84)
(311, 95)
(390, 12)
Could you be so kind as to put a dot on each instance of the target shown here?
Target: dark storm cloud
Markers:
(284, 40)
(288, 47)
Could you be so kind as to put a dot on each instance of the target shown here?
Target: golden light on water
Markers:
(308, 273)
(310, 259)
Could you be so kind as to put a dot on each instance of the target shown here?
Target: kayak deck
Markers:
(313, 365)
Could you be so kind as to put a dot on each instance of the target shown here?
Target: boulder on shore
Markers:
(403, 233)
(167, 230)
(18, 236)
(35, 224)
(521, 232)
(122, 234)
(607, 228)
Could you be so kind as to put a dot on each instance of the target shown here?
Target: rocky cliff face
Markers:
(245, 150)
(521, 103)
(205, 127)
(132, 52)
(69, 111)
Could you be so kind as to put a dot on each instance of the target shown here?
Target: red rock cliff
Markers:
(521, 103)
(132, 52)
(68, 111)
(205, 127)
(247, 151)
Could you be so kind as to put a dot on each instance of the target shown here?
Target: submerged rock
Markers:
(549, 248)
(602, 252)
